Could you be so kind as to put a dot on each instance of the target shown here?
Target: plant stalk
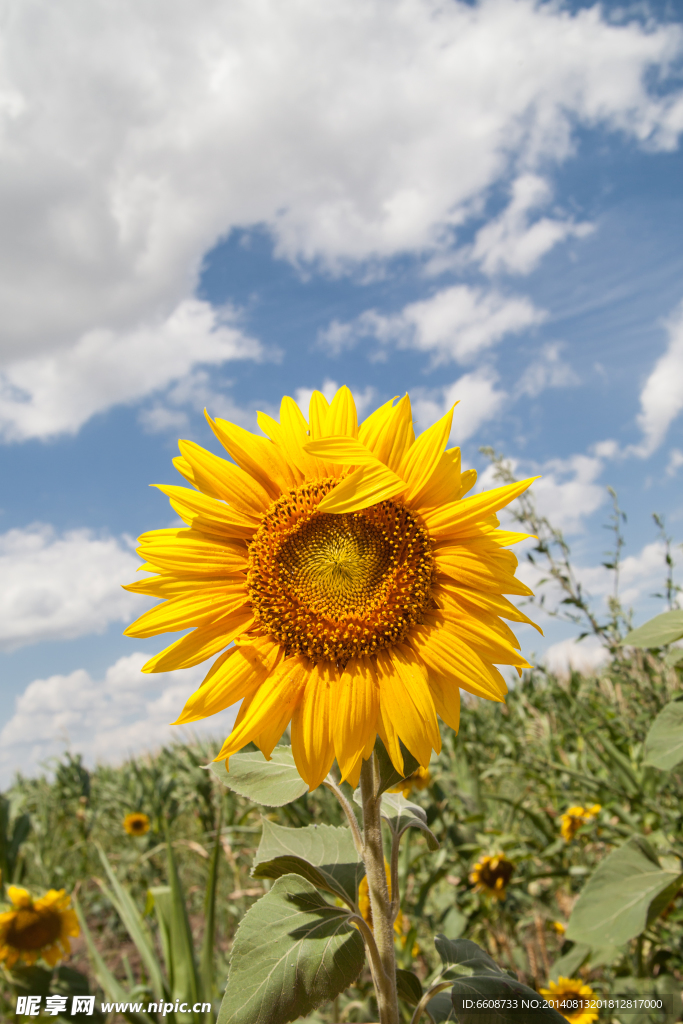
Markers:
(380, 903)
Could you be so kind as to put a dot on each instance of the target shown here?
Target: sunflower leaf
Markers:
(664, 741)
(626, 892)
(658, 632)
(323, 854)
(400, 814)
(409, 987)
(292, 952)
(271, 783)
(388, 776)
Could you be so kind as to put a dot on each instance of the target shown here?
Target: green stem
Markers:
(380, 904)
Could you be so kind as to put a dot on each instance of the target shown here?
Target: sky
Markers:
(213, 205)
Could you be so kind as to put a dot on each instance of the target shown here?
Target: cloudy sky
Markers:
(218, 203)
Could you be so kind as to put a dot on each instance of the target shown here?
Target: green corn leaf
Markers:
(409, 987)
(163, 904)
(388, 776)
(137, 929)
(658, 632)
(664, 741)
(271, 783)
(113, 989)
(323, 854)
(292, 952)
(186, 986)
(627, 891)
(206, 955)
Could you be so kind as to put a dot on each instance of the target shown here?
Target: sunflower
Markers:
(568, 996)
(420, 779)
(491, 875)
(360, 588)
(136, 824)
(574, 817)
(364, 901)
(36, 928)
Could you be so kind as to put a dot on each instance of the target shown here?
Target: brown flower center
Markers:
(334, 587)
(34, 929)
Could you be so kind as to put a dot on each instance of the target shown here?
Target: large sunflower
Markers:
(36, 928)
(361, 589)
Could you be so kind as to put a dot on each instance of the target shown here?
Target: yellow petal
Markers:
(172, 586)
(186, 551)
(423, 456)
(221, 479)
(201, 644)
(446, 484)
(312, 744)
(294, 435)
(258, 456)
(355, 711)
(198, 608)
(344, 451)
(495, 604)
(341, 418)
(273, 702)
(236, 674)
(317, 412)
(480, 632)
(449, 520)
(365, 487)
(388, 432)
(480, 564)
(207, 514)
(452, 661)
(406, 702)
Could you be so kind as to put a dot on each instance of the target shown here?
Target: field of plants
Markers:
(545, 809)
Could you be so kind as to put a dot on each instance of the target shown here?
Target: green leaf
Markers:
(400, 814)
(627, 891)
(292, 952)
(663, 629)
(206, 968)
(674, 656)
(643, 988)
(136, 927)
(409, 987)
(185, 985)
(324, 854)
(114, 991)
(465, 956)
(520, 1003)
(566, 966)
(271, 783)
(388, 776)
(664, 741)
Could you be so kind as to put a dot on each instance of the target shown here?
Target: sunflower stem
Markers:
(380, 903)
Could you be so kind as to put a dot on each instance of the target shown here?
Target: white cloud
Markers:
(547, 371)
(586, 657)
(60, 587)
(510, 243)
(456, 323)
(106, 719)
(661, 400)
(136, 136)
(568, 492)
(479, 402)
(675, 461)
(51, 394)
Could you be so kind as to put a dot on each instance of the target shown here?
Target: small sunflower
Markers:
(420, 779)
(568, 993)
(136, 824)
(491, 875)
(36, 928)
(557, 927)
(574, 817)
(360, 587)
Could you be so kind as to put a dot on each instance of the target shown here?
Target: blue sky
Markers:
(478, 202)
